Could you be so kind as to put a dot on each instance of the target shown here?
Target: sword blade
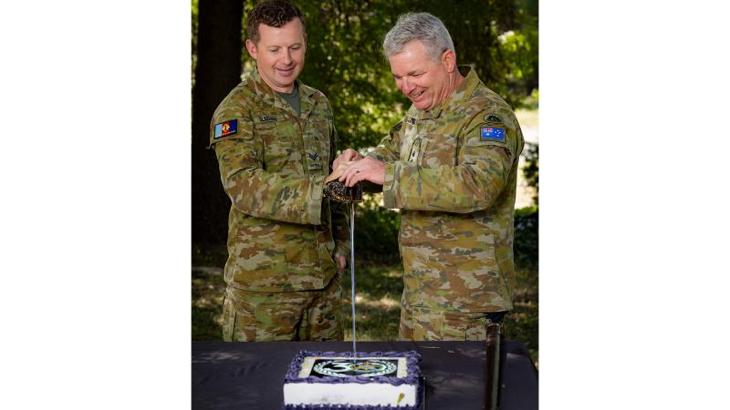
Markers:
(352, 277)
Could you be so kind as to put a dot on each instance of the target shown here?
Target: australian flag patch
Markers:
(225, 128)
(492, 134)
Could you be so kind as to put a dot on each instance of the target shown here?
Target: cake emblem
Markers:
(348, 368)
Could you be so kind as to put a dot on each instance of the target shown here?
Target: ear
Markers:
(251, 47)
(448, 59)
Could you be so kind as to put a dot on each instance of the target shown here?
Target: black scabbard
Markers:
(492, 379)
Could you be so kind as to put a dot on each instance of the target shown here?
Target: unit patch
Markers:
(492, 134)
(225, 128)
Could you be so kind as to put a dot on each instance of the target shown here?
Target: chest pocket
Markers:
(410, 149)
(437, 150)
(283, 151)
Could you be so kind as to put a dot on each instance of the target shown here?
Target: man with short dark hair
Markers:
(274, 138)
(450, 166)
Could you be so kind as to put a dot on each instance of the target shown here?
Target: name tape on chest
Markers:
(268, 118)
(492, 134)
(225, 128)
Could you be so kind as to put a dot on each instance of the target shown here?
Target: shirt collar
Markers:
(268, 95)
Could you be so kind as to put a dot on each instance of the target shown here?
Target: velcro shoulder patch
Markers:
(493, 118)
(492, 134)
(225, 129)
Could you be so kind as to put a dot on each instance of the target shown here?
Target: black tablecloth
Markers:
(251, 375)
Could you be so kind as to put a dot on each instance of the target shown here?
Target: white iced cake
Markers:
(372, 380)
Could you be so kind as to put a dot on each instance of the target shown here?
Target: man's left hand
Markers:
(342, 262)
(368, 169)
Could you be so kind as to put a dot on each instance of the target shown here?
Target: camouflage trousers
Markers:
(423, 324)
(311, 315)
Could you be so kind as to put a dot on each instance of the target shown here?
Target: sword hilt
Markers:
(340, 192)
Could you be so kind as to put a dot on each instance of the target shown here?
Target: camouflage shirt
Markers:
(452, 171)
(282, 233)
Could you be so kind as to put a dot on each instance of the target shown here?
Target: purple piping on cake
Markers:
(412, 359)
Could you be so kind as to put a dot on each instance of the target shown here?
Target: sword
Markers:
(337, 191)
(352, 278)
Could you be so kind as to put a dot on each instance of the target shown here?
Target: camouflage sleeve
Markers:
(389, 148)
(340, 220)
(483, 169)
(259, 193)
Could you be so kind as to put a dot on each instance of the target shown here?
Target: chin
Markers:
(422, 105)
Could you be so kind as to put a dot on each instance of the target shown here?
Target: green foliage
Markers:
(207, 302)
(526, 238)
(378, 291)
(376, 231)
(531, 170)
(194, 39)
(522, 323)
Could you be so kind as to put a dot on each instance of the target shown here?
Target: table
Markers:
(250, 375)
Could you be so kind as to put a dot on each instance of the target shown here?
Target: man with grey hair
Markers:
(450, 165)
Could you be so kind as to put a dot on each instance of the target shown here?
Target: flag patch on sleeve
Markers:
(225, 128)
(492, 134)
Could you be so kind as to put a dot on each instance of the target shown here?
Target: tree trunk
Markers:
(218, 71)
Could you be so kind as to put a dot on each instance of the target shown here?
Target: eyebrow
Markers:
(277, 45)
(413, 72)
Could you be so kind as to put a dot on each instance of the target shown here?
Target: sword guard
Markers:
(338, 191)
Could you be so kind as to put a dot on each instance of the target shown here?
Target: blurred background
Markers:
(344, 60)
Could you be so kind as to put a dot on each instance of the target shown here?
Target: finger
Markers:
(343, 166)
(355, 155)
(348, 174)
(354, 177)
(347, 171)
(344, 157)
(348, 155)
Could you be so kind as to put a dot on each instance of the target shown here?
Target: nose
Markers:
(407, 85)
(287, 57)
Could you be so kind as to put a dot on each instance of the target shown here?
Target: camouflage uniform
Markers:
(282, 281)
(453, 174)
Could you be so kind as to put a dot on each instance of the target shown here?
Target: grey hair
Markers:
(418, 26)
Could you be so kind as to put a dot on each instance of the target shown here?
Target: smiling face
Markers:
(426, 82)
(279, 54)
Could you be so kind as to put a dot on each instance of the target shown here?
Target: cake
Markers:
(374, 380)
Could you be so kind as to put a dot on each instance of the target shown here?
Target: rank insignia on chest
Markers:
(411, 120)
(225, 128)
(492, 134)
(268, 118)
